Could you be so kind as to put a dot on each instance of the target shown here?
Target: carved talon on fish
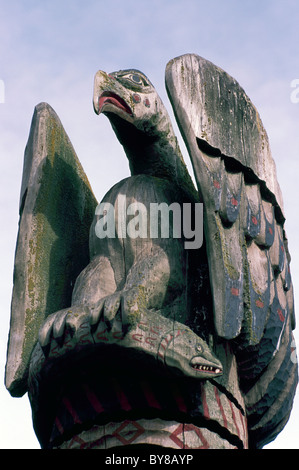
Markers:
(127, 304)
(170, 343)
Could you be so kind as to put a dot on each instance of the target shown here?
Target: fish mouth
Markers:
(111, 98)
(197, 364)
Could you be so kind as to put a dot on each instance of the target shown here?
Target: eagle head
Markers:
(130, 96)
(141, 124)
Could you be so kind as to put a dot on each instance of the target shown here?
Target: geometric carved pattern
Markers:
(167, 400)
(128, 432)
(179, 434)
(113, 406)
(175, 435)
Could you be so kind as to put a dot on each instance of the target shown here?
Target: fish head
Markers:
(190, 355)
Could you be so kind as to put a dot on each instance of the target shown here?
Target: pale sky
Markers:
(50, 51)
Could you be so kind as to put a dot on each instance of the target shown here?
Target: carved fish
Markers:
(173, 344)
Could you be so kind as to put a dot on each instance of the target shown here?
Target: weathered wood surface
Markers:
(56, 210)
(96, 344)
(129, 303)
(221, 116)
(244, 226)
(163, 341)
(152, 432)
(98, 387)
(242, 200)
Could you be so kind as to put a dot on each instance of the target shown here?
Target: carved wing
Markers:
(244, 229)
(56, 210)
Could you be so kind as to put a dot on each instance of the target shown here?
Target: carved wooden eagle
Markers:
(245, 240)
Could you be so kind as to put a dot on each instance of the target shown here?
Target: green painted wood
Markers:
(56, 209)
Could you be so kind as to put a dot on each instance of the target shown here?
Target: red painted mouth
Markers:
(115, 100)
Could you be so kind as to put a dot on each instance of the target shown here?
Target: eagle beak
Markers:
(101, 78)
(107, 94)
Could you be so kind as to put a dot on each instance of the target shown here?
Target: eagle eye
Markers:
(135, 78)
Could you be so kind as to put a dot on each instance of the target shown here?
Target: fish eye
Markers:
(198, 348)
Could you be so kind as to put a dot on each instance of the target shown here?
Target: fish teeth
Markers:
(216, 370)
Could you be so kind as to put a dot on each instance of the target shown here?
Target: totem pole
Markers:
(128, 327)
